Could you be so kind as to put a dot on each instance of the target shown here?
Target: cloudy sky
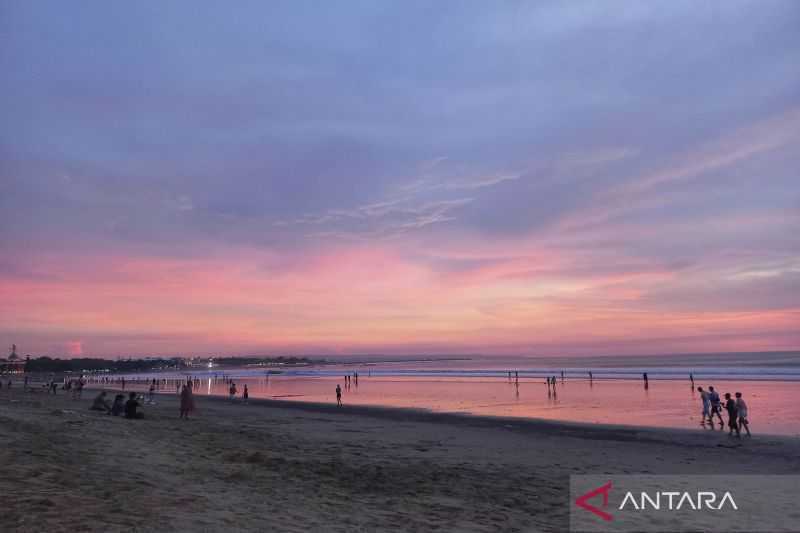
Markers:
(399, 177)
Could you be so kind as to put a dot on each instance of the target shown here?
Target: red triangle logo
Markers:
(582, 501)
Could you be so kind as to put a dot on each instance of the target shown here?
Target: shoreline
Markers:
(531, 425)
(307, 467)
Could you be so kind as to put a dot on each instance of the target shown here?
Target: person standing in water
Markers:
(232, 391)
(338, 395)
(691, 379)
(741, 408)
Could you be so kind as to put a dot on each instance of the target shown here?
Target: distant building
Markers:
(13, 364)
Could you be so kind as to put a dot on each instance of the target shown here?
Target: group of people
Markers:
(736, 409)
(349, 380)
(348, 383)
(233, 391)
(129, 408)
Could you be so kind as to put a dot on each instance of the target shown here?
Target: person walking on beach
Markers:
(187, 401)
(245, 394)
(733, 415)
(691, 379)
(232, 391)
(706, 415)
(716, 408)
(741, 408)
(646, 383)
(338, 395)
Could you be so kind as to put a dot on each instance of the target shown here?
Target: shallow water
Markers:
(614, 396)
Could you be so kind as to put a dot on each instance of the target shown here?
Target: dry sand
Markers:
(282, 466)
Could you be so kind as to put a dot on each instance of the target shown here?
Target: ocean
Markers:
(616, 394)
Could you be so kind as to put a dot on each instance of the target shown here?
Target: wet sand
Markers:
(291, 466)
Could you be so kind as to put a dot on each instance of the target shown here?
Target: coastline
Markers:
(526, 425)
(297, 466)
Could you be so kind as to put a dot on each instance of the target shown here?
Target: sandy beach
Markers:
(282, 466)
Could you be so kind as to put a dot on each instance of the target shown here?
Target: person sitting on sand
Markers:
(131, 407)
(706, 407)
(716, 408)
(100, 403)
(118, 407)
(741, 408)
(187, 401)
(733, 415)
(338, 395)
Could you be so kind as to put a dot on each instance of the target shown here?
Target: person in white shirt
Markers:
(741, 408)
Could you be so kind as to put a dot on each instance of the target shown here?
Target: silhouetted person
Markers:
(119, 405)
(187, 401)
(646, 383)
(338, 395)
(733, 415)
(131, 407)
(245, 394)
(716, 408)
(691, 379)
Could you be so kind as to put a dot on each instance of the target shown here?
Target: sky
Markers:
(450, 177)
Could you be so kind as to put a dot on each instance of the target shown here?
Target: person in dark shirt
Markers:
(130, 407)
(119, 405)
(713, 397)
(733, 414)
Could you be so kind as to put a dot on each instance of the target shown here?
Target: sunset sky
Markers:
(400, 177)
